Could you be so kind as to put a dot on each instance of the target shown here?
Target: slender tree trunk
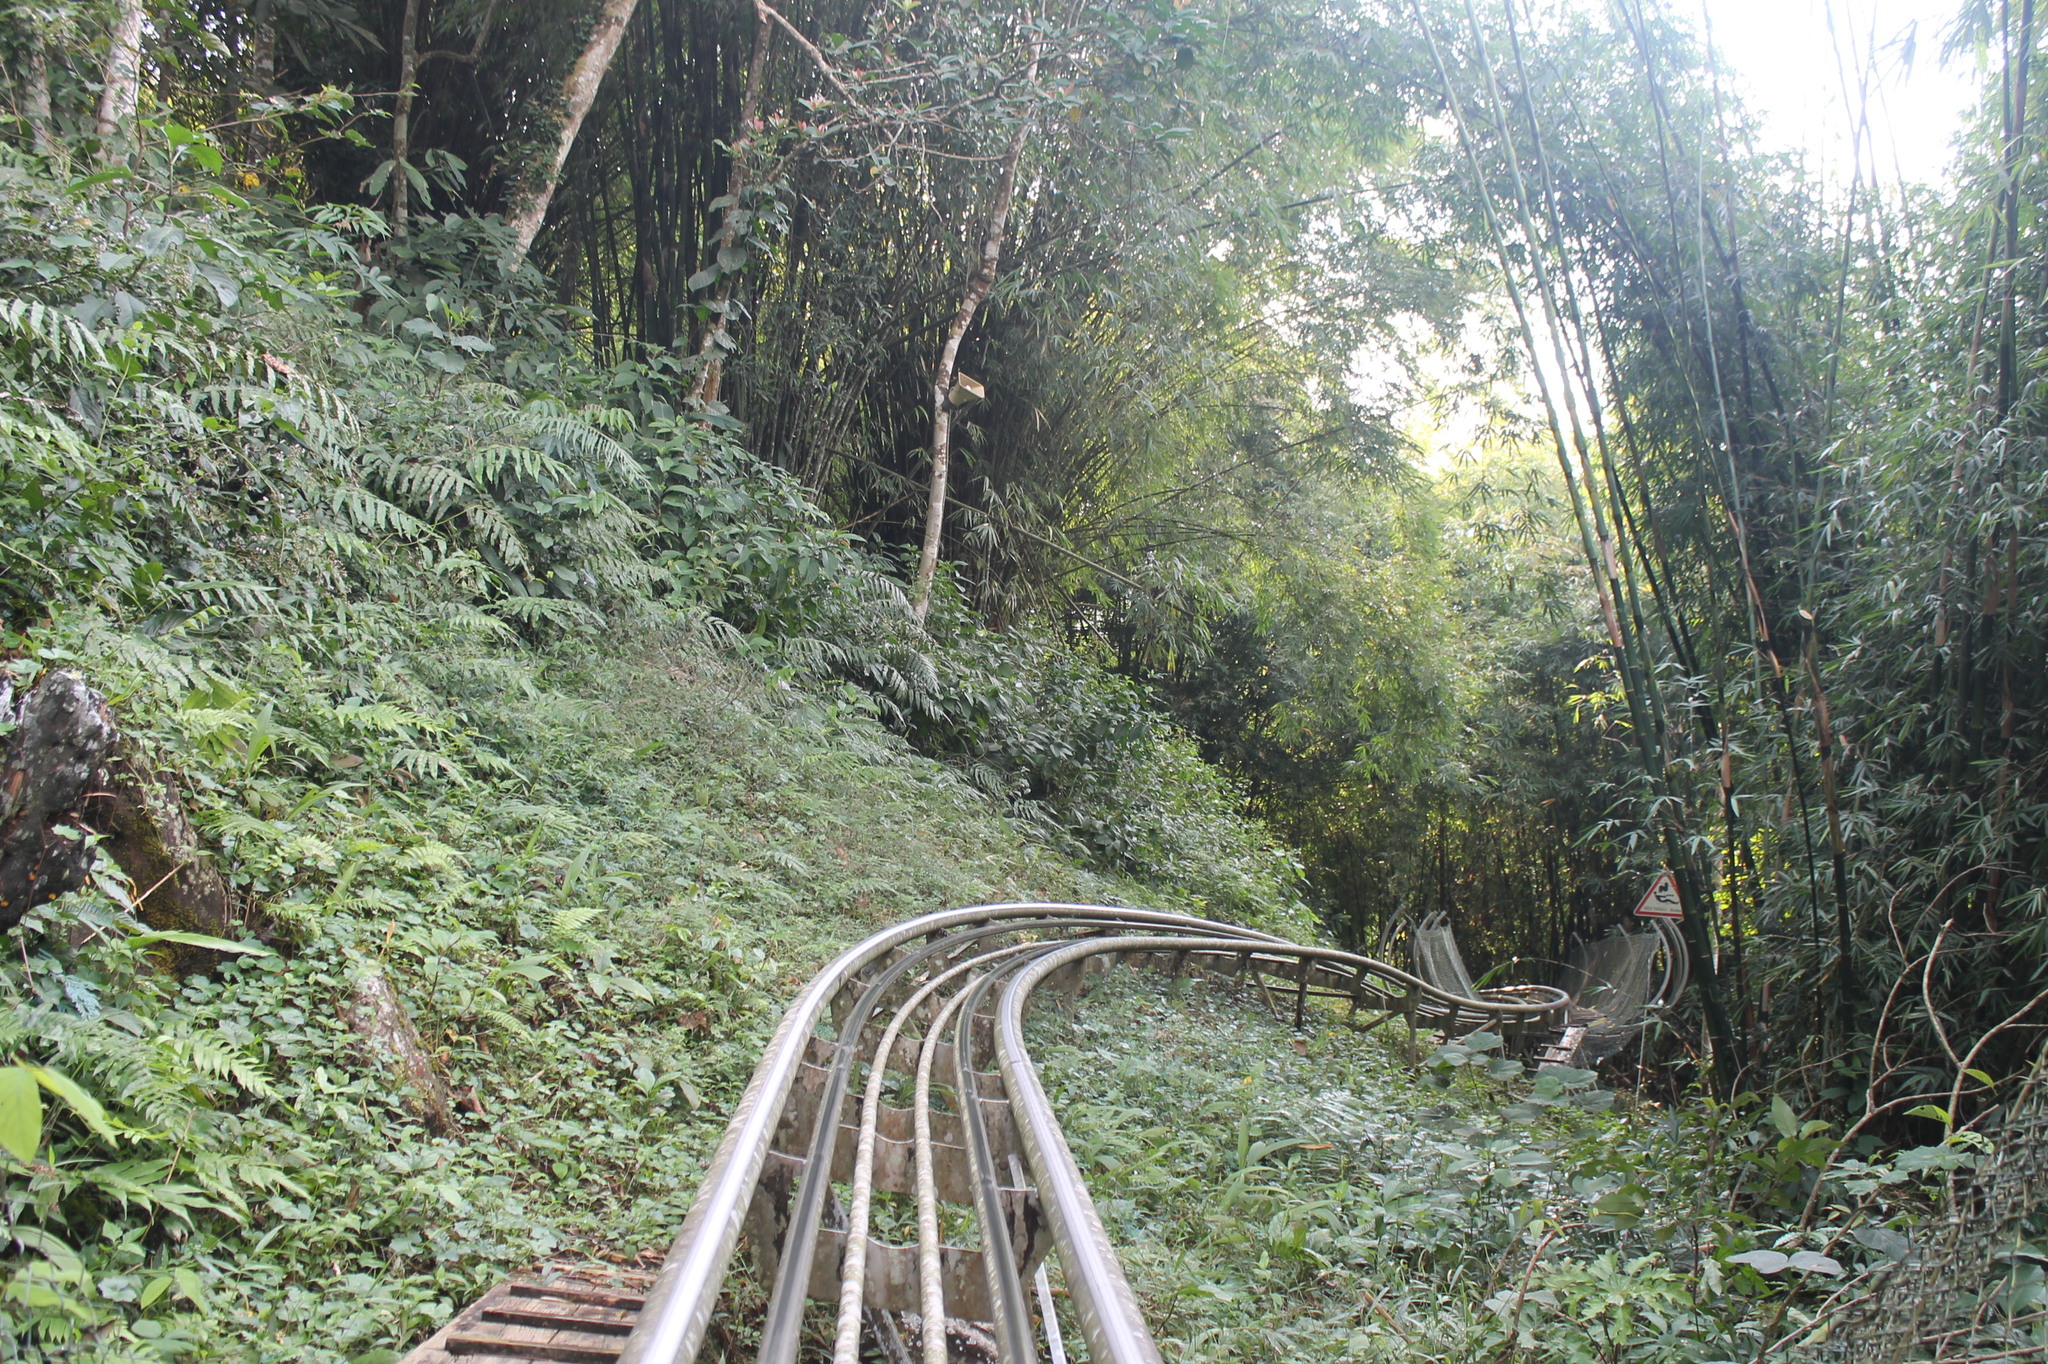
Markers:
(401, 120)
(121, 78)
(35, 99)
(1845, 965)
(2015, 160)
(262, 49)
(1613, 580)
(579, 92)
(978, 286)
(711, 351)
(262, 76)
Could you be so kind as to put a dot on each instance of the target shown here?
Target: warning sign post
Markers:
(1662, 902)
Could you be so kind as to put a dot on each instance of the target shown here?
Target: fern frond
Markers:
(570, 615)
(425, 763)
(373, 514)
(507, 1023)
(570, 923)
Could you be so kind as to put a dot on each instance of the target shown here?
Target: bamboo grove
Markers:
(1094, 324)
(1803, 461)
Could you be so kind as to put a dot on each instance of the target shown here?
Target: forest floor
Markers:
(594, 873)
(615, 869)
(592, 880)
(1321, 1195)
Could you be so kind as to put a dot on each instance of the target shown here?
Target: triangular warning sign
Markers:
(1662, 901)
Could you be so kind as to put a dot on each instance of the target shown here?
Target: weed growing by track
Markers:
(1313, 1196)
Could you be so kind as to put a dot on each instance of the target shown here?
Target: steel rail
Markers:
(672, 1324)
(679, 1306)
(783, 1326)
(852, 1274)
(780, 1333)
(931, 1285)
(1007, 1298)
(1103, 1302)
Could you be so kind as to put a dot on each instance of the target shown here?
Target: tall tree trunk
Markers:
(401, 120)
(262, 49)
(35, 98)
(978, 286)
(711, 351)
(121, 78)
(261, 81)
(579, 91)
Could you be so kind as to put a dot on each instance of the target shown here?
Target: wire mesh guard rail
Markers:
(1614, 987)
(939, 1002)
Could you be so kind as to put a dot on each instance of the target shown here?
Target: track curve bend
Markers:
(938, 998)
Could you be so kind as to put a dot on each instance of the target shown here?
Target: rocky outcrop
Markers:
(67, 776)
(144, 827)
(375, 1010)
(56, 755)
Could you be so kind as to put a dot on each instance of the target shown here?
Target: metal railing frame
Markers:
(679, 1306)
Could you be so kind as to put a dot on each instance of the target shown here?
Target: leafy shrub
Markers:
(416, 605)
(1085, 753)
(1319, 1194)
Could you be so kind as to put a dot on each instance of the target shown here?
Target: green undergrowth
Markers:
(478, 667)
(1315, 1196)
(592, 872)
(481, 668)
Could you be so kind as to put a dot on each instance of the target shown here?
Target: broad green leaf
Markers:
(225, 195)
(82, 1103)
(21, 1113)
(1884, 1241)
(1934, 1111)
(49, 1247)
(1762, 1261)
(1627, 1201)
(1813, 1262)
(1783, 1118)
(184, 939)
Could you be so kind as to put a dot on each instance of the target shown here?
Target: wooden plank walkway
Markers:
(578, 1314)
(1562, 1051)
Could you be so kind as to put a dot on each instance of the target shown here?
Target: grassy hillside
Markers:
(521, 715)
(592, 873)
(495, 693)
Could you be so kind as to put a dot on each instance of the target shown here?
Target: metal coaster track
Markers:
(941, 995)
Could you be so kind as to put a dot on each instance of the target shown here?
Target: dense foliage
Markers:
(1799, 441)
(1404, 458)
(454, 676)
(1313, 1195)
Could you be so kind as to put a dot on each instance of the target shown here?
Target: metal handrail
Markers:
(677, 1314)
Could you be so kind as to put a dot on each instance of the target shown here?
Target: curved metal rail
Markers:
(940, 996)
